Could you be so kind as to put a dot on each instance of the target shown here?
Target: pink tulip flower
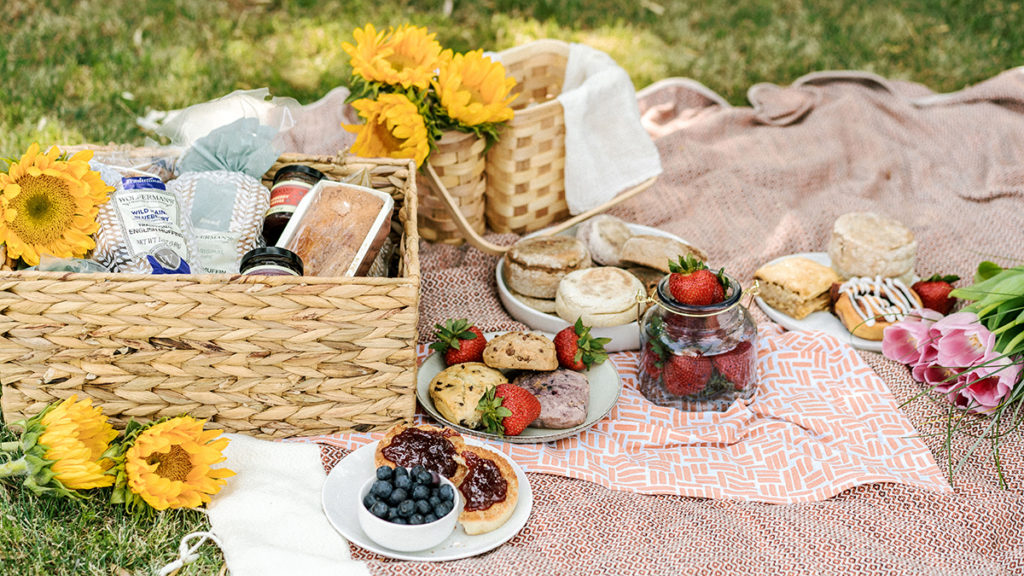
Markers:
(961, 340)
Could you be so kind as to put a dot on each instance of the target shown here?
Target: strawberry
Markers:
(693, 284)
(577, 349)
(685, 375)
(508, 409)
(459, 342)
(934, 292)
(735, 365)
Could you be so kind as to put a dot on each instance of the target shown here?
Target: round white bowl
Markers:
(405, 537)
(624, 337)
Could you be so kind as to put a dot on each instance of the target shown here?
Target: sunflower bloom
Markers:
(394, 129)
(63, 448)
(49, 205)
(406, 56)
(168, 464)
(473, 89)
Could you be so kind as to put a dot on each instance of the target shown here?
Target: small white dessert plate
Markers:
(822, 320)
(605, 387)
(624, 337)
(340, 498)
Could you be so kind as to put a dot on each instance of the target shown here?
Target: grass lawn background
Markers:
(82, 71)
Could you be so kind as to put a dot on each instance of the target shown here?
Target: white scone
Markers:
(534, 266)
(457, 390)
(867, 244)
(602, 297)
(521, 351)
(604, 237)
(796, 286)
(656, 251)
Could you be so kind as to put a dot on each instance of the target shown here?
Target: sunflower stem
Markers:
(18, 467)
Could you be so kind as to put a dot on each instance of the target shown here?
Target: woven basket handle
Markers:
(483, 245)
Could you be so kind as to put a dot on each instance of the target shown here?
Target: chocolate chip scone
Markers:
(521, 351)
(456, 390)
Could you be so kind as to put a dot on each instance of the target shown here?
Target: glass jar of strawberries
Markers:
(698, 342)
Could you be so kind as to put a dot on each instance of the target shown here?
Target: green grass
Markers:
(82, 70)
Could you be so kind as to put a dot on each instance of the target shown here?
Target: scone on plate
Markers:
(867, 244)
(457, 390)
(437, 449)
(604, 236)
(521, 351)
(564, 397)
(656, 251)
(796, 286)
(490, 490)
(534, 266)
(601, 297)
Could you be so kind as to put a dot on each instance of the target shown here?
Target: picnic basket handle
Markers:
(486, 247)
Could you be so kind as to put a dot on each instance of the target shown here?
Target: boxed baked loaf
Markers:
(271, 356)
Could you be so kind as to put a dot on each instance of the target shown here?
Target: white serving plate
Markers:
(624, 337)
(821, 320)
(340, 497)
(377, 233)
(605, 387)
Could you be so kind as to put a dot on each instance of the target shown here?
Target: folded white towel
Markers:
(269, 519)
(607, 149)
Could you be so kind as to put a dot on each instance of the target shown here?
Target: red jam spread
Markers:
(484, 485)
(414, 446)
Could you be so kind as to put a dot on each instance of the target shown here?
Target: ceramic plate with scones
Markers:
(570, 401)
(797, 292)
(592, 270)
(494, 495)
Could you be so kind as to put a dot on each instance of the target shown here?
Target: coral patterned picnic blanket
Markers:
(822, 422)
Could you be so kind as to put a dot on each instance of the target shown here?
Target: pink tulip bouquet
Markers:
(973, 358)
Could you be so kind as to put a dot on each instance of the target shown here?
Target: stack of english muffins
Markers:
(596, 275)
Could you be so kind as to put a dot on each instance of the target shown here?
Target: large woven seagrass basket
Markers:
(271, 356)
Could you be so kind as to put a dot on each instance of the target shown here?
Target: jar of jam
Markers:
(291, 183)
(271, 261)
(698, 358)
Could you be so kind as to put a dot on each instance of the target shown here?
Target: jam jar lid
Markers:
(300, 168)
(271, 255)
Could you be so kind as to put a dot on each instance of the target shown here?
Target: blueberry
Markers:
(399, 520)
(442, 509)
(446, 492)
(369, 500)
(403, 482)
(397, 495)
(415, 471)
(392, 512)
(424, 478)
(424, 507)
(434, 500)
(400, 471)
(406, 508)
(380, 510)
(381, 489)
(420, 492)
(384, 473)
(429, 518)
(416, 519)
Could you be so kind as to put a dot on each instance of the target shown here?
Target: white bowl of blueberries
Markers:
(408, 509)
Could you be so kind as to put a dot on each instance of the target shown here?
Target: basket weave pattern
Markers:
(526, 167)
(269, 356)
(459, 162)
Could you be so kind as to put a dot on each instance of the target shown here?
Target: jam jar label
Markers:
(286, 195)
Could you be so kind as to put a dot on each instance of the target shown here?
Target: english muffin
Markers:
(490, 490)
(656, 251)
(602, 297)
(534, 266)
(437, 449)
(604, 237)
(521, 351)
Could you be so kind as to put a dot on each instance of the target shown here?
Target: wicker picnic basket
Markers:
(526, 167)
(271, 356)
(459, 163)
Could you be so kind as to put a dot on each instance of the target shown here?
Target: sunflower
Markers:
(63, 449)
(394, 129)
(49, 205)
(167, 464)
(473, 89)
(406, 56)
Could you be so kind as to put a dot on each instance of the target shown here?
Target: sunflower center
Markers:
(45, 209)
(173, 465)
(386, 137)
